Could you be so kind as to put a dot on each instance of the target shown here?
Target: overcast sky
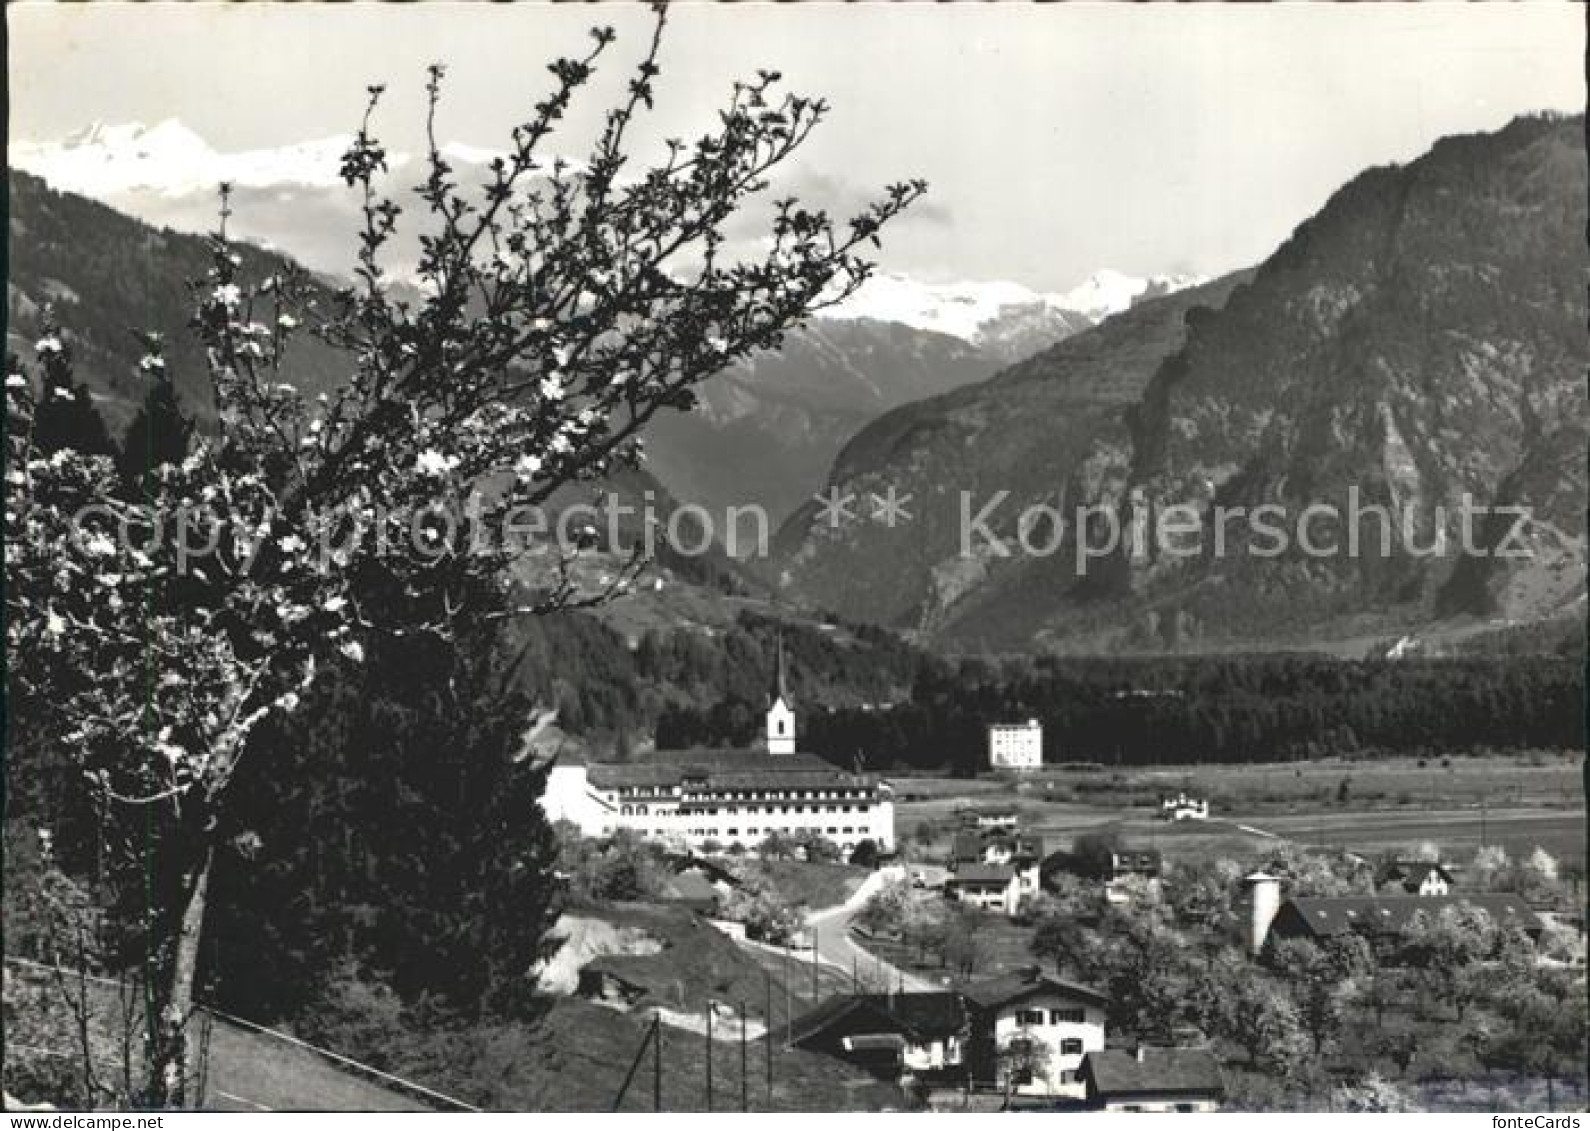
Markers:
(1057, 139)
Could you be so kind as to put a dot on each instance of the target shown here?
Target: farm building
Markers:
(1153, 1079)
(923, 1034)
(1389, 915)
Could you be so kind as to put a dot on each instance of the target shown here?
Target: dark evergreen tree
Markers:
(159, 433)
(392, 826)
(66, 417)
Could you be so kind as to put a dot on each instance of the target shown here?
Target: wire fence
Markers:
(341, 1062)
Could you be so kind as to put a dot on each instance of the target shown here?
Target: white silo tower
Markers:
(1264, 900)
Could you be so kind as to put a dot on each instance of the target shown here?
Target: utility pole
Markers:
(814, 965)
(656, 1063)
(745, 1079)
(768, 1037)
(855, 986)
(787, 1002)
(709, 1054)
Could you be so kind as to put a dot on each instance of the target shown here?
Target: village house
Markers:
(992, 887)
(1002, 817)
(1152, 1080)
(688, 799)
(1030, 1032)
(1021, 854)
(1184, 808)
(923, 1035)
(1417, 877)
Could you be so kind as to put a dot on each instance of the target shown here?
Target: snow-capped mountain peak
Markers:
(104, 161)
(976, 311)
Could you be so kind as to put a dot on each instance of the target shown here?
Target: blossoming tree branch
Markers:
(560, 306)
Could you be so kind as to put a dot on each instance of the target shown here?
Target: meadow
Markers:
(1518, 801)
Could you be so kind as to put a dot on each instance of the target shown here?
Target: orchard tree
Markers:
(561, 306)
(1263, 1020)
(1446, 949)
(1322, 977)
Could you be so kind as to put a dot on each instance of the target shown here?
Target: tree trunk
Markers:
(174, 1067)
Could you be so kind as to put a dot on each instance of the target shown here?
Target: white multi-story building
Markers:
(1015, 746)
(688, 798)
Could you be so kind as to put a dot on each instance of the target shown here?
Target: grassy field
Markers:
(576, 1059)
(577, 1056)
(1518, 802)
(257, 1072)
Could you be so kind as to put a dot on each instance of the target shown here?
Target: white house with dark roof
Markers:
(1031, 1031)
(688, 798)
(992, 887)
(1418, 877)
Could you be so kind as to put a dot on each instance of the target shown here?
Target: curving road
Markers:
(830, 931)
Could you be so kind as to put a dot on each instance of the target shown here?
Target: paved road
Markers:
(830, 928)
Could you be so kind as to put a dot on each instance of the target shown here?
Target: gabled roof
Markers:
(1116, 1073)
(983, 874)
(919, 1016)
(1391, 913)
(1018, 984)
(966, 846)
(1412, 873)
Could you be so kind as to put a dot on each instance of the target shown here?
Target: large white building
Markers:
(1015, 746)
(688, 798)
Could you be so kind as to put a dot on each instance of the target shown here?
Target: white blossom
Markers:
(16, 381)
(286, 321)
(290, 544)
(51, 344)
(228, 295)
(354, 651)
(552, 387)
(99, 546)
(434, 463)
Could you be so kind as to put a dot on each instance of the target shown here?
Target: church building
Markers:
(688, 798)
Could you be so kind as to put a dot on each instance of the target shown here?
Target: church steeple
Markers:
(780, 676)
(781, 708)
